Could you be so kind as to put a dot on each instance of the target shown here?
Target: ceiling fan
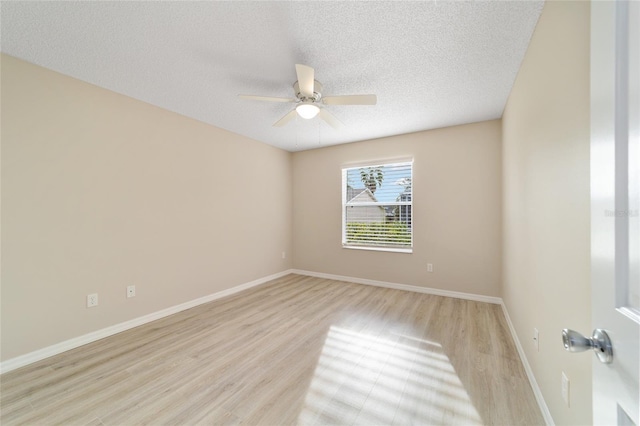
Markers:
(309, 99)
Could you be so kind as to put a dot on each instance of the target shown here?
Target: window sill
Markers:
(388, 249)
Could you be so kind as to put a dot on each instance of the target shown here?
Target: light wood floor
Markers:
(298, 350)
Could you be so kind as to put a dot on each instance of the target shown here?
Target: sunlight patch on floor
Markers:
(390, 379)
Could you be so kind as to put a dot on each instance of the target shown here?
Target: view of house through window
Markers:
(376, 207)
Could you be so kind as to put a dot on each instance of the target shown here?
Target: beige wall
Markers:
(100, 191)
(546, 204)
(457, 210)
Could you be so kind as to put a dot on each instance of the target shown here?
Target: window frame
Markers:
(344, 204)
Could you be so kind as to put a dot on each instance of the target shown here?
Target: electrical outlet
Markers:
(284, 254)
(429, 267)
(565, 389)
(536, 339)
(92, 300)
(131, 291)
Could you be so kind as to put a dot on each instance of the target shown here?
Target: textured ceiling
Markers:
(431, 64)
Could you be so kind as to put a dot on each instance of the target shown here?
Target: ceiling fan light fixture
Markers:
(307, 110)
(309, 100)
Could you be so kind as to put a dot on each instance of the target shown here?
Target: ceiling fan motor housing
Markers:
(317, 92)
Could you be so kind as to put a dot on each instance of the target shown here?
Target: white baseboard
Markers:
(406, 287)
(40, 354)
(527, 368)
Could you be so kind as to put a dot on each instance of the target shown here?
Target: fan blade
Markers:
(266, 98)
(350, 100)
(305, 80)
(330, 119)
(287, 118)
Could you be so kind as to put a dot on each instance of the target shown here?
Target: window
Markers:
(376, 207)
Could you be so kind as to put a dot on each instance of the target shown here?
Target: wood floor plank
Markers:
(297, 350)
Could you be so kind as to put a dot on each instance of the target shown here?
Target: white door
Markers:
(615, 196)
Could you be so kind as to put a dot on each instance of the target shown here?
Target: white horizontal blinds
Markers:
(377, 206)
